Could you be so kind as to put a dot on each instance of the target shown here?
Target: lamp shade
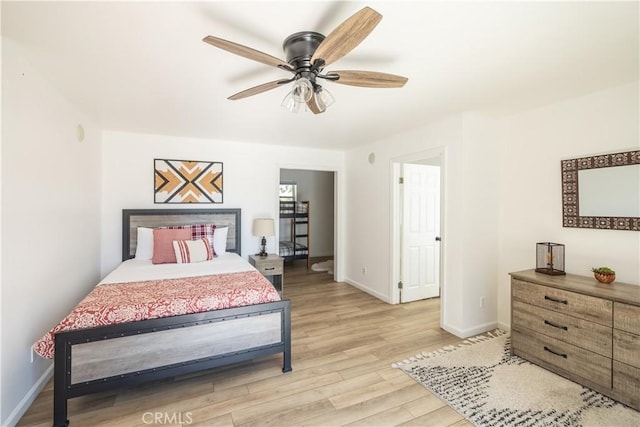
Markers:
(263, 227)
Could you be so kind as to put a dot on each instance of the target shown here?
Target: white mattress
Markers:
(135, 270)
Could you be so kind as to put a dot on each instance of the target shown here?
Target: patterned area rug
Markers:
(489, 387)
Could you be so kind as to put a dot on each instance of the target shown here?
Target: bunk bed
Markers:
(297, 214)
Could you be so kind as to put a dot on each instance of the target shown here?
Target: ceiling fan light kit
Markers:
(323, 99)
(307, 53)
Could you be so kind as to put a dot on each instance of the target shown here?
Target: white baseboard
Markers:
(371, 292)
(460, 333)
(466, 333)
(504, 326)
(28, 399)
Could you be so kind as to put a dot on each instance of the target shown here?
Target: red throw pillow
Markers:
(163, 243)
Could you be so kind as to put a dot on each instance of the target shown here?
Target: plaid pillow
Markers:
(202, 231)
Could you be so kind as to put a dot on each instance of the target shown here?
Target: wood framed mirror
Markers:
(602, 191)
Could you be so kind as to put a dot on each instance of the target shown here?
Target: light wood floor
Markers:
(344, 342)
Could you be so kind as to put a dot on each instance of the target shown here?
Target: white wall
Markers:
(481, 225)
(1, 399)
(251, 179)
(317, 187)
(530, 187)
(50, 221)
(502, 195)
(469, 243)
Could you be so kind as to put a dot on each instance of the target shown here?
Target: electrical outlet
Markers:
(481, 302)
(364, 271)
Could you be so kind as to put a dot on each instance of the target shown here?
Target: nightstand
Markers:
(271, 267)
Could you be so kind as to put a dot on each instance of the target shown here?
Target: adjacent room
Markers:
(306, 219)
(320, 213)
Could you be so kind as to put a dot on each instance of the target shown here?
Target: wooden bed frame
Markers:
(65, 389)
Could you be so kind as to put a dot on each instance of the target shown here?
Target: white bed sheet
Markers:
(137, 270)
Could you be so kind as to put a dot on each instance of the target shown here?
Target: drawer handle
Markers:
(269, 268)
(555, 352)
(555, 325)
(561, 301)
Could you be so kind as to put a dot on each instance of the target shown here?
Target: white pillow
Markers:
(188, 251)
(219, 242)
(144, 245)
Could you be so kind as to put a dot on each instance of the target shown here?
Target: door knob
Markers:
(438, 239)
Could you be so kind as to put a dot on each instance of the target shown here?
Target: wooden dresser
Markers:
(581, 329)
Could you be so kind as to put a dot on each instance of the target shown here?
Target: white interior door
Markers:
(420, 257)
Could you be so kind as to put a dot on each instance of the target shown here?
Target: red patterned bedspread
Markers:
(110, 304)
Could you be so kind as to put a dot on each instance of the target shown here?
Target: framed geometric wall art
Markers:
(187, 181)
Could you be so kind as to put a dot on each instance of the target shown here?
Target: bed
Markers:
(100, 358)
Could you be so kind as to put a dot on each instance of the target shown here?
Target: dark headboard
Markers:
(134, 218)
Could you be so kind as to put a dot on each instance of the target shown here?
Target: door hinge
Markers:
(401, 180)
(400, 284)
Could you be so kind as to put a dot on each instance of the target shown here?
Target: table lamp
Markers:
(263, 227)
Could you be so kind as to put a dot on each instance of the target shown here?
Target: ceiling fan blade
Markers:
(315, 106)
(246, 52)
(258, 89)
(367, 79)
(347, 36)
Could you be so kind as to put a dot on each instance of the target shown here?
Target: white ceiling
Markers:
(142, 67)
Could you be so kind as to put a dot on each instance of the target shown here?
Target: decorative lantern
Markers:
(550, 258)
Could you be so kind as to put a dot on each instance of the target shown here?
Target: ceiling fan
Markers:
(307, 54)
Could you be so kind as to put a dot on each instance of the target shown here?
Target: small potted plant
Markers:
(604, 274)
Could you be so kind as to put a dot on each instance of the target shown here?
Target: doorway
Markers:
(417, 223)
(307, 219)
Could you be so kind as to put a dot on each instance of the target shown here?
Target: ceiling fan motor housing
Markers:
(299, 48)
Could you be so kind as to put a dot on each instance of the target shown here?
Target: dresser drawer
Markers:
(626, 317)
(565, 358)
(270, 268)
(626, 384)
(270, 265)
(579, 332)
(582, 306)
(626, 348)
